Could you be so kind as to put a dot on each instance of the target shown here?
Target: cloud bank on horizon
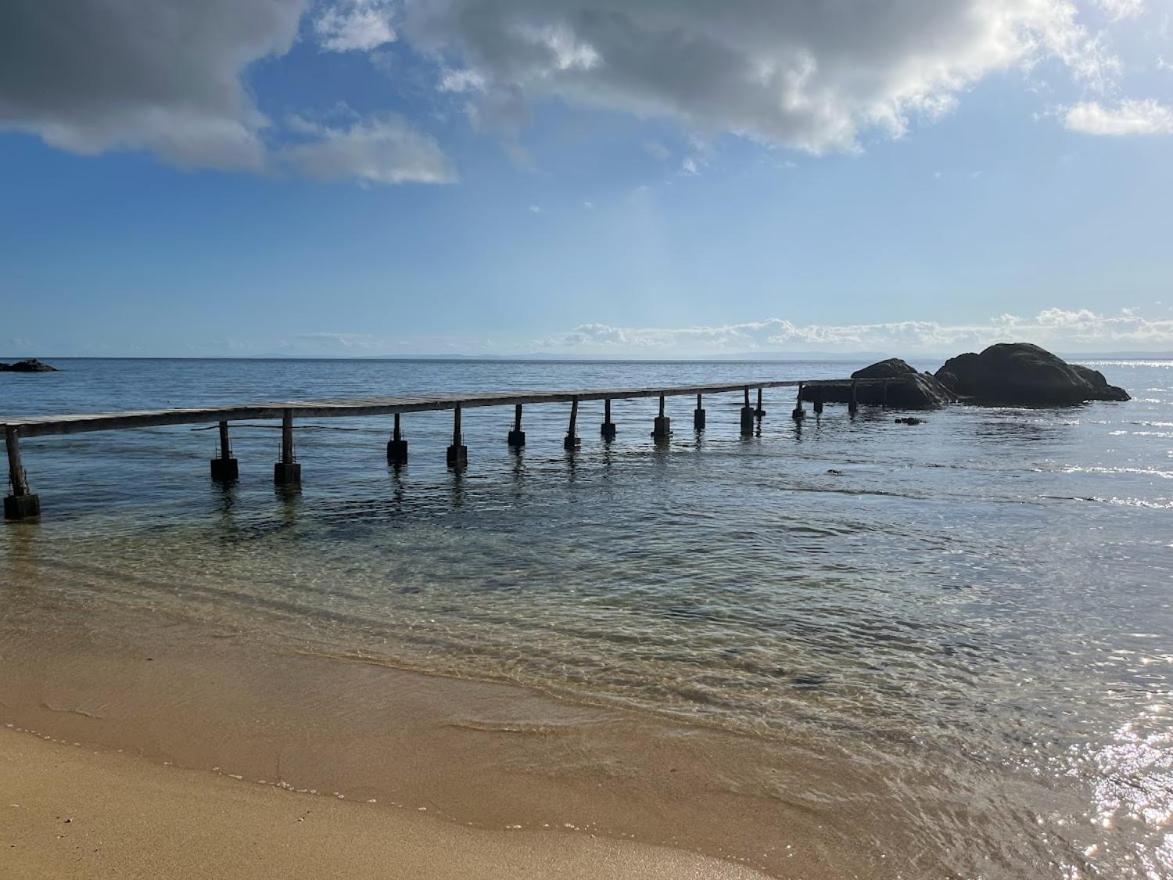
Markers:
(1063, 330)
(1060, 329)
(172, 77)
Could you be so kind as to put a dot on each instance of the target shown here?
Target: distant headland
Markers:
(29, 365)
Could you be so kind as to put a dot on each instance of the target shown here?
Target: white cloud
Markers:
(354, 25)
(1117, 10)
(689, 166)
(460, 81)
(381, 149)
(1060, 329)
(1128, 117)
(801, 74)
(165, 75)
(657, 150)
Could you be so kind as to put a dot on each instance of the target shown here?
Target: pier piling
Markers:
(853, 405)
(457, 452)
(516, 436)
(758, 411)
(225, 468)
(799, 413)
(698, 415)
(662, 426)
(287, 472)
(572, 441)
(746, 416)
(396, 446)
(818, 407)
(607, 429)
(21, 503)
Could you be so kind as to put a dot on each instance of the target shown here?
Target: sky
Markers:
(615, 178)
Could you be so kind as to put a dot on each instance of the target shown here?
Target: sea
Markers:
(979, 606)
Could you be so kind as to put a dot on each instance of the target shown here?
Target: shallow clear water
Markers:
(978, 608)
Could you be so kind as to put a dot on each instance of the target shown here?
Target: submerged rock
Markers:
(907, 389)
(29, 365)
(1019, 373)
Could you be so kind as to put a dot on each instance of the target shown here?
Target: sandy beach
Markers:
(199, 749)
(73, 812)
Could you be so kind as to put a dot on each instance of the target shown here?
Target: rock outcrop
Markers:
(1021, 374)
(907, 389)
(30, 365)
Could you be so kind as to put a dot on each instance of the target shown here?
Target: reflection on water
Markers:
(974, 610)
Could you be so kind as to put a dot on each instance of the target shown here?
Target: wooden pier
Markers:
(22, 503)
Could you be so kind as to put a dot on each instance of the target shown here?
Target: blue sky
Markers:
(652, 179)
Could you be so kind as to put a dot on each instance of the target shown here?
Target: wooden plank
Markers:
(75, 423)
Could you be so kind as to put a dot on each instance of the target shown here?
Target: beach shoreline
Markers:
(498, 758)
(73, 812)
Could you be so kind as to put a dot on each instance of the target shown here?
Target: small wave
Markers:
(1151, 472)
(1159, 504)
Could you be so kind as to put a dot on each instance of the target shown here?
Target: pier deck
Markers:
(23, 504)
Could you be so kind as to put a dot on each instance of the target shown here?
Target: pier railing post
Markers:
(287, 472)
(396, 446)
(572, 440)
(662, 426)
(607, 429)
(746, 416)
(21, 503)
(457, 452)
(225, 468)
(698, 415)
(517, 436)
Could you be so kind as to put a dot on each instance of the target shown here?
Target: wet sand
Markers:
(72, 812)
(537, 778)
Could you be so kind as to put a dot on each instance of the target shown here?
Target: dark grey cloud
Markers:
(800, 73)
(164, 75)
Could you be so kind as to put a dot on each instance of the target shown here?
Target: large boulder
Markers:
(907, 389)
(31, 365)
(1021, 374)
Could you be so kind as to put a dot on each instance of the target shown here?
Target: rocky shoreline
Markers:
(1006, 374)
(28, 365)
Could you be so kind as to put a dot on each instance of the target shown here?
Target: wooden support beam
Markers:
(853, 405)
(799, 413)
(572, 440)
(607, 429)
(516, 437)
(662, 427)
(21, 503)
(698, 415)
(457, 452)
(287, 472)
(747, 416)
(17, 478)
(225, 468)
(759, 412)
(397, 446)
